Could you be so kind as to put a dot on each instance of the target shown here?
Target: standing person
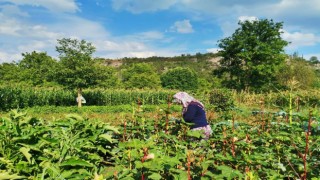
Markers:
(193, 112)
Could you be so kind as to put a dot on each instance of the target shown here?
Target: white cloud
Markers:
(228, 28)
(119, 46)
(113, 49)
(9, 57)
(182, 27)
(151, 35)
(141, 54)
(293, 6)
(122, 47)
(247, 18)
(80, 28)
(13, 10)
(9, 26)
(19, 32)
(22, 35)
(147, 36)
(52, 5)
(213, 50)
(34, 46)
(139, 6)
(299, 39)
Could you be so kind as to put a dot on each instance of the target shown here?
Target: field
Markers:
(251, 140)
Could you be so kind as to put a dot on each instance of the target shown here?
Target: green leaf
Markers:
(76, 162)
(229, 172)
(138, 164)
(155, 176)
(181, 175)
(75, 117)
(114, 129)
(76, 174)
(6, 175)
(25, 152)
(196, 134)
(108, 137)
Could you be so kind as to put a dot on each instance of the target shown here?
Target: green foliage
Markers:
(221, 99)
(252, 55)
(299, 70)
(77, 68)
(271, 149)
(142, 81)
(156, 147)
(306, 98)
(314, 60)
(22, 97)
(107, 109)
(140, 75)
(316, 84)
(37, 67)
(119, 97)
(70, 148)
(106, 77)
(180, 78)
(9, 72)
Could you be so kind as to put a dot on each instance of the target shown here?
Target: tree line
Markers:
(251, 59)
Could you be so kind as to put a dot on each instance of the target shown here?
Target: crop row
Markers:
(12, 98)
(159, 147)
(221, 99)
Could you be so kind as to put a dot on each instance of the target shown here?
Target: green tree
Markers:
(77, 67)
(37, 68)
(106, 76)
(180, 78)
(252, 56)
(314, 60)
(317, 81)
(9, 72)
(140, 75)
(299, 70)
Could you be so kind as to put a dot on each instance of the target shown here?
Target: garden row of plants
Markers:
(159, 147)
(222, 99)
(19, 97)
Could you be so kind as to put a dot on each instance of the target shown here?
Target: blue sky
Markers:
(144, 28)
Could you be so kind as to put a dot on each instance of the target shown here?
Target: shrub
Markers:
(221, 99)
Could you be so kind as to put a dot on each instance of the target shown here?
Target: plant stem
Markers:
(290, 107)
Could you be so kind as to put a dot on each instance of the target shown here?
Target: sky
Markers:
(145, 28)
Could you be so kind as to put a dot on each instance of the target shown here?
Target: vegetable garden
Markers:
(273, 145)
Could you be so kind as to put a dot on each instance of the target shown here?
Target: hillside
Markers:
(199, 62)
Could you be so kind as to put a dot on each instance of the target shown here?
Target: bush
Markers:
(180, 78)
(221, 99)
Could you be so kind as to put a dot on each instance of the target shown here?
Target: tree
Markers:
(37, 67)
(180, 78)
(314, 60)
(140, 75)
(300, 71)
(9, 72)
(77, 67)
(106, 76)
(252, 56)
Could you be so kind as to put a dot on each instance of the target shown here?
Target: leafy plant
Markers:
(63, 149)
